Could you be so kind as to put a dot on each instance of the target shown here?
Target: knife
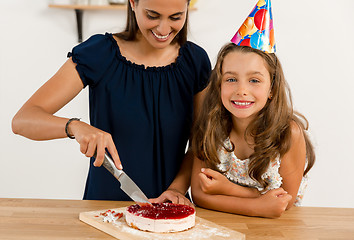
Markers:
(126, 183)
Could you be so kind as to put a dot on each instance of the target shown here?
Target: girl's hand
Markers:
(93, 140)
(173, 196)
(213, 182)
(273, 203)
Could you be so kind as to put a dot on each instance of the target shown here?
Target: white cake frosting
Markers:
(159, 225)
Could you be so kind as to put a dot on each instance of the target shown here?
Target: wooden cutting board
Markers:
(203, 229)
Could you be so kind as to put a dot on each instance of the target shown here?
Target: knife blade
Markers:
(126, 183)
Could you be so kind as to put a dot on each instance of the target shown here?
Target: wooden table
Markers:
(59, 219)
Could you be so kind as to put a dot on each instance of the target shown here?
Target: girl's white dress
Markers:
(236, 170)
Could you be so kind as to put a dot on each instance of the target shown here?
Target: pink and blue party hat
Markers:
(257, 30)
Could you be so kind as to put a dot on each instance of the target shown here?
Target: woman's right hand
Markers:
(93, 140)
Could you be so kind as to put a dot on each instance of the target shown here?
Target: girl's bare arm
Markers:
(213, 182)
(272, 204)
(293, 163)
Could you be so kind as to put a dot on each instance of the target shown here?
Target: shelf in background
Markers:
(79, 11)
(90, 7)
(95, 7)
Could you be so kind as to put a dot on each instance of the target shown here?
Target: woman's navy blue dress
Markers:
(148, 112)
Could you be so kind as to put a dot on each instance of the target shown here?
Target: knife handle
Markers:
(111, 167)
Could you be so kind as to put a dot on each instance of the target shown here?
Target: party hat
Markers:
(257, 30)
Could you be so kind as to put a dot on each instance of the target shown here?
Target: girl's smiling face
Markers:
(245, 85)
(159, 21)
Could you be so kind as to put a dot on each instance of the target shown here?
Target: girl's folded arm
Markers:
(272, 204)
(214, 182)
(243, 206)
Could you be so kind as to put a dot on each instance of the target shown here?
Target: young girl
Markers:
(252, 151)
(142, 86)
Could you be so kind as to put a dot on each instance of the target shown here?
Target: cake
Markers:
(160, 217)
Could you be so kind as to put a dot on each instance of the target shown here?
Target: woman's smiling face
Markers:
(159, 21)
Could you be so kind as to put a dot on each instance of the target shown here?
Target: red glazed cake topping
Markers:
(161, 211)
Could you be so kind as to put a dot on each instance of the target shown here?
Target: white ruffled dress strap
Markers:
(236, 170)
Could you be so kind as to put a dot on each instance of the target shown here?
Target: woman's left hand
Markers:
(173, 196)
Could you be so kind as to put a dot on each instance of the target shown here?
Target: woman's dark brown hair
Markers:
(131, 29)
(270, 130)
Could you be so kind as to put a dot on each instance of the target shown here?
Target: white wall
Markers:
(314, 42)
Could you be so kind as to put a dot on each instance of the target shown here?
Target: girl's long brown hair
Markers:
(131, 29)
(271, 130)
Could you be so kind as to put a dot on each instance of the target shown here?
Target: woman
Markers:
(144, 85)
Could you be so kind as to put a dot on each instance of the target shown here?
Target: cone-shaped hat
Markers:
(257, 30)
